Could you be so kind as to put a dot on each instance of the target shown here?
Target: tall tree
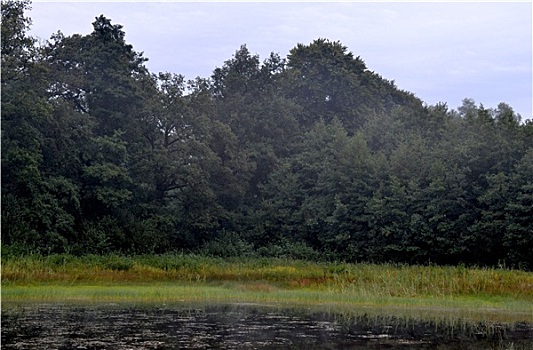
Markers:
(329, 82)
(17, 47)
(40, 205)
(518, 239)
(99, 73)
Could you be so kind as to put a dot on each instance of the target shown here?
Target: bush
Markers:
(227, 244)
(290, 250)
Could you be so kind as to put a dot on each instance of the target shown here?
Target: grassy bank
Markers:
(419, 291)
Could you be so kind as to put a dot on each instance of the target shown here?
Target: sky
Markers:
(440, 51)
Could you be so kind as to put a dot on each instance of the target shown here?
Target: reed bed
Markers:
(365, 280)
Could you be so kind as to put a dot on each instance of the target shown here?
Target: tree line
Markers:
(310, 156)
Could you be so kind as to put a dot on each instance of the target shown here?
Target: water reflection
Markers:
(55, 326)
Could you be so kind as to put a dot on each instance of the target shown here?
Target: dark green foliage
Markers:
(227, 244)
(313, 157)
(17, 47)
(328, 82)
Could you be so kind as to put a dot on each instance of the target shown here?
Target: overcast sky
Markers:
(442, 52)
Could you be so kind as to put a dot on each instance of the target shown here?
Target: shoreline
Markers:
(254, 325)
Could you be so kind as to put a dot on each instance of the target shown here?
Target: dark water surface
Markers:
(53, 326)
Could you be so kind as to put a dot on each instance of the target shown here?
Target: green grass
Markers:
(472, 309)
(475, 294)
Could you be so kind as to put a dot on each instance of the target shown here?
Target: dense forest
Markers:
(311, 156)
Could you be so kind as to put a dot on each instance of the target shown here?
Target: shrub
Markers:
(227, 244)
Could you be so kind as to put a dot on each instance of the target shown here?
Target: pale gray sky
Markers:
(440, 51)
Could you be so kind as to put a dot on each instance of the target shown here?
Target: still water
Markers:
(53, 326)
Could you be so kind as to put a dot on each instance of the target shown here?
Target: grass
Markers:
(485, 294)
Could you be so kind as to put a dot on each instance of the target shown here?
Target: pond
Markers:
(239, 326)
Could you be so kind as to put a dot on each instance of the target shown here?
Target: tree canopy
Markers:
(309, 156)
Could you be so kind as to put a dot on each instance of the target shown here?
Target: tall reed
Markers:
(386, 280)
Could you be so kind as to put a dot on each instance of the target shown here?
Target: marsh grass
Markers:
(458, 292)
(384, 280)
